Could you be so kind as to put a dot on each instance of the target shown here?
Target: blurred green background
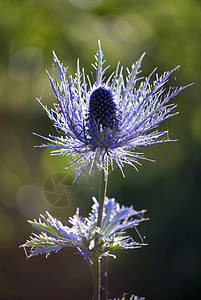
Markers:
(170, 189)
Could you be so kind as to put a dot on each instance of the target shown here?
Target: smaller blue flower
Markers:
(108, 120)
(83, 233)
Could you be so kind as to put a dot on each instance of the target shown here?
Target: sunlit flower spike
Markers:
(108, 119)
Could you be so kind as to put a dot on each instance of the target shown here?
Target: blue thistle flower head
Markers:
(109, 119)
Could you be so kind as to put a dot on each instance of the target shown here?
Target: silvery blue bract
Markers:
(83, 232)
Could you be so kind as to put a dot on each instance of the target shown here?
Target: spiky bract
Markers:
(84, 231)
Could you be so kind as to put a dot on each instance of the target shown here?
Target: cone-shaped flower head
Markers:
(108, 119)
(102, 109)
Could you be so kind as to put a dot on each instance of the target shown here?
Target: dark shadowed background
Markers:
(170, 33)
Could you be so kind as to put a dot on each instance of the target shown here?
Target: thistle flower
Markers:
(108, 119)
(83, 232)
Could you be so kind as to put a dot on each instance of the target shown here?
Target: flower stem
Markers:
(102, 194)
(96, 278)
(97, 260)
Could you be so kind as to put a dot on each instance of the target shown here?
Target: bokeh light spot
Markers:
(113, 28)
(6, 227)
(10, 182)
(141, 27)
(31, 202)
(25, 64)
(85, 4)
(82, 28)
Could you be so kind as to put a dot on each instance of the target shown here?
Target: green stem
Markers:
(96, 278)
(97, 260)
(102, 194)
